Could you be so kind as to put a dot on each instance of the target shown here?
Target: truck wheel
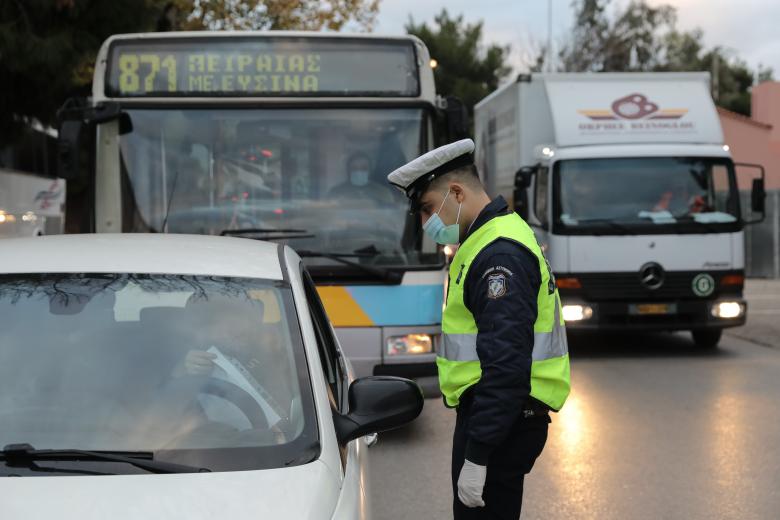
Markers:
(707, 338)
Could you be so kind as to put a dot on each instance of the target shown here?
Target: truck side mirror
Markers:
(758, 198)
(757, 194)
(523, 179)
(457, 119)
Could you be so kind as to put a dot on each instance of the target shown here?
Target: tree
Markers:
(464, 68)
(633, 42)
(645, 38)
(306, 15)
(584, 49)
(47, 48)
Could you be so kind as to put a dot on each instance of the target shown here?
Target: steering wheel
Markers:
(186, 389)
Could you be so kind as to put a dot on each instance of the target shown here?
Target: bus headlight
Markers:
(409, 344)
(728, 310)
(577, 312)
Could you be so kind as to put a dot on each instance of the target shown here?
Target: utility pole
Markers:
(715, 71)
(549, 66)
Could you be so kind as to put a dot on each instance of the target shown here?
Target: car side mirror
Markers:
(523, 179)
(377, 404)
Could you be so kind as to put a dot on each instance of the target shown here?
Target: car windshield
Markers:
(651, 191)
(202, 371)
(314, 178)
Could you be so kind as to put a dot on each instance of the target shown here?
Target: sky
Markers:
(749, 28)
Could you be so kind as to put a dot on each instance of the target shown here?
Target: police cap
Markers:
(414, 177)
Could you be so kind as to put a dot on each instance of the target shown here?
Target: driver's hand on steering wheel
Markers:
(196, 363)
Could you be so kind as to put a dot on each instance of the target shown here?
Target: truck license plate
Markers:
(644, 309)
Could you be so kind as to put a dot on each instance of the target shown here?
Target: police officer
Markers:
(504, 363)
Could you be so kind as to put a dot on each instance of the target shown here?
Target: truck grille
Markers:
(628, 287)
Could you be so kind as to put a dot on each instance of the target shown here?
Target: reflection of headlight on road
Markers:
(409, 344)
(577, 312)
(728, 310)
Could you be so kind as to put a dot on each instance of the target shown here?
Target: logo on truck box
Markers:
(635, 114)
(634, 107)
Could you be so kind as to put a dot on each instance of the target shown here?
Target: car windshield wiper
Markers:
(608, 221)
(308, 454)
(383, 274)
(25, 455)
(267, 233)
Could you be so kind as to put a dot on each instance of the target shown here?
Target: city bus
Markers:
(281, 136)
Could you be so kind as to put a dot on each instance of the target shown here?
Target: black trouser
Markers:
(508, 464)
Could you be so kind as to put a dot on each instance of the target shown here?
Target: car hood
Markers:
(302, 492)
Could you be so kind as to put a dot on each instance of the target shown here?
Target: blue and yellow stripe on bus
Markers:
(382, 305)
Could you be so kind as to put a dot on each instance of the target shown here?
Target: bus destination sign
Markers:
(267, 67)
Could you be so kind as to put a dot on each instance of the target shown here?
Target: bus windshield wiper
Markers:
(383, 274)
(608, 221)
(267, 233)
(25, 455)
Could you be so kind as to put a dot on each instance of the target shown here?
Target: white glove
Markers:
(471, 482)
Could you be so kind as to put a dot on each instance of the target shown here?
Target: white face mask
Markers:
(439, 231)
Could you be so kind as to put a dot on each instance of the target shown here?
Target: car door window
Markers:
(329, 352)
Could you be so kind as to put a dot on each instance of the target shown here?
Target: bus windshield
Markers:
(315, 178)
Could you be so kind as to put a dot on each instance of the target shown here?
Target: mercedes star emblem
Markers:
(651, 275)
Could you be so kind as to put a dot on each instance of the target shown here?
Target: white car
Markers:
(149, 376)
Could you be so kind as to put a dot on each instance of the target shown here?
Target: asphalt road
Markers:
(654, 428)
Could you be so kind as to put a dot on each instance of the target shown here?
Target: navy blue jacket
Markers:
(500, 290)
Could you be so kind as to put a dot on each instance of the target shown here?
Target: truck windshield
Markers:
(197, 370)
(691, 192)
(315, 178)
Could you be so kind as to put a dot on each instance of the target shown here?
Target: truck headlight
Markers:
(409, 344)
(577, 312)
(727, 310)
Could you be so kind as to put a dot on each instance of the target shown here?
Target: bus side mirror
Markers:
(75, 117)
(457, 119)
(523, 179)
(68, 150)
(111, 112)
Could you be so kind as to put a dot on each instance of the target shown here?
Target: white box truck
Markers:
(632, 193)
(30, 205)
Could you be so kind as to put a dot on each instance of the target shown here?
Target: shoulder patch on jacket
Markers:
(497, 285)
(497, 268)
